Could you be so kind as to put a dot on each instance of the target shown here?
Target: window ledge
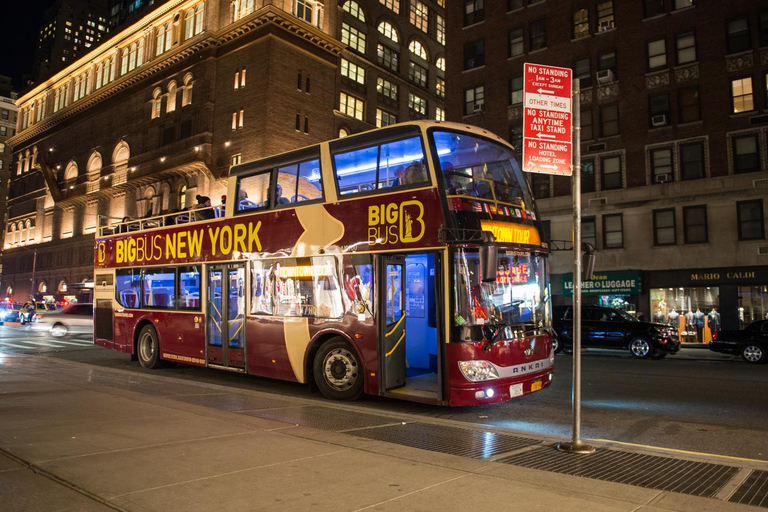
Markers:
(738, 54)
(599, 32)
(736, 115)
(470, 70)
(472, 25)
(658, 16)
(659, 128)
(515, 57)
(683, 9)
(690, 123)
(473, 114)
(686, 65)
(655, 72)
(538, 51)
(577, 39)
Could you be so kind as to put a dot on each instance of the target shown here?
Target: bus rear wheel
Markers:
(337, 370)
(148, 348)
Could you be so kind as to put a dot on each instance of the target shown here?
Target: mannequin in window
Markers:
(698, 324)
(658, 316)
(674, 316)
(689, 321)
(713, 320)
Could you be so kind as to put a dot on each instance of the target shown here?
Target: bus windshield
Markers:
(519, 297)
(473, 166)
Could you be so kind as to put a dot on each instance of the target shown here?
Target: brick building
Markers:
(158, 113)
(674, 140)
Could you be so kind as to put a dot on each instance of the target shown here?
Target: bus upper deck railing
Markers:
(168, 219)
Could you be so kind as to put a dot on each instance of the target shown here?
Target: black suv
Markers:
(611, 328)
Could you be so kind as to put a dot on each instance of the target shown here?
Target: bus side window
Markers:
(253, 192)
(128, 287)
(356, 170)
(310, 182)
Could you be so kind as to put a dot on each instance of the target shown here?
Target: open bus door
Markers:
(410, 355)
(225, 313)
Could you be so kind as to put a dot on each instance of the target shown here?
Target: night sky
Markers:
(18, 37)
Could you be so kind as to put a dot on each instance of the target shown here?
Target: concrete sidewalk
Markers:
(77, 438)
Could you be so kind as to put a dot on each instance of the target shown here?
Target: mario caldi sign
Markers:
(217, 240)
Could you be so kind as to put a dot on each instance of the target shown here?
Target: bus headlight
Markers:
(478, 371)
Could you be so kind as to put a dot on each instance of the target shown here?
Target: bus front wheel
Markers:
(337, 370)
(148, 348)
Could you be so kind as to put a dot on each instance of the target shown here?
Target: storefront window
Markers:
(693, 312)
(753, 304)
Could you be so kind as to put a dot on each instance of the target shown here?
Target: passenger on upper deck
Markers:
(279, 199)
(414, 173)
(203, 209)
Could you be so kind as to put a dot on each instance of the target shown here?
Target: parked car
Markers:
(29, 309)
(751, 343)
(73, 319)
(609, 328)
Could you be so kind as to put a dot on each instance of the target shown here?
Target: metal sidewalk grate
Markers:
(641, 470)
(230, 402)
(322, 418)
(450, 440)
(754, 491)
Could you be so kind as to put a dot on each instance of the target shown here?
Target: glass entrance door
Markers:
(225, 329)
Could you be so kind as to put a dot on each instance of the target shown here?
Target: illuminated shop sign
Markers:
(626, 282)
(509, 232)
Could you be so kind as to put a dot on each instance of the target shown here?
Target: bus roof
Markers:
(248, 167)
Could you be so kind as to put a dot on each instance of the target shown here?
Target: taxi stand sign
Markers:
(547, 116)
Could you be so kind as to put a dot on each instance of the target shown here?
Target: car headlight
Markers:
(478, 371)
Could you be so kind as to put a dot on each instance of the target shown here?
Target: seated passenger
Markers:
(399, 175)
(415, 173)
(203, 209)
(279, 199)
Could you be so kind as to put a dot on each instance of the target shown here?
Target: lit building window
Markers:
(354, 9)
(386, 29)
(351, 106)
(419, 15)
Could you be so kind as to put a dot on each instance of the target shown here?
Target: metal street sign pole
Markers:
(576, 445)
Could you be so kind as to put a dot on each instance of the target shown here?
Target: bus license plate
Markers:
(515, 390)
(535, 385)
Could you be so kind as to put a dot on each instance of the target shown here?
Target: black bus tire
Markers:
(148, 348)
(337, 370)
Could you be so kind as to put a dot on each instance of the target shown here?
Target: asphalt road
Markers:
(696, 401)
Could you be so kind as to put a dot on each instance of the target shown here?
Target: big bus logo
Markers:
(393, 223)
(101, 252)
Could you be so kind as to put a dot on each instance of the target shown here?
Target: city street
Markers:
(694, 401)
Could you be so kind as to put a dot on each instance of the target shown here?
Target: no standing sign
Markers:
(547, 120)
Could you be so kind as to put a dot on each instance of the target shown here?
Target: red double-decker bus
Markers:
(406, 262)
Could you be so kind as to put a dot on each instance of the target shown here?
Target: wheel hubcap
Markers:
(146, 347)
(555, 344)
(59, 330)
(340, 369)
(640, 348)
(753, 353)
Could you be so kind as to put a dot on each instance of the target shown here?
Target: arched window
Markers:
(27, 161)
(440, 63)
(121, 154)
(132, 54)
(181, 201)
(199, 18)
(418, 49)
(22, 234)
(189, 23)
(149, 200)
(157, 103)
(160, 48)
(94, 163)
(42, 287)
(140, 51)
(354, 9)
(343, 133)
(30, 230)
(241, 9)
(70, 173)
(387, 30)
(12, 237)
(171, 105)
(99, 75)
(124, 62)
(62, 288)
(186, 93)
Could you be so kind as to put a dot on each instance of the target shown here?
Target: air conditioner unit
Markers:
(605, 25)
(478, 107)
(604, 76)
(659, 120)
(663, 178)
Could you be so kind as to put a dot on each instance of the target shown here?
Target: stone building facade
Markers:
(159, 112)
(674, 139)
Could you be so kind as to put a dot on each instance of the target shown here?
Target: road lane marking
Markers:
(687, 452)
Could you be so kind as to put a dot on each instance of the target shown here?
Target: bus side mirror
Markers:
(489, 262)
(588, 265)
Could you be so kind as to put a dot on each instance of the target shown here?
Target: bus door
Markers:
(393, 322)
(410, 297)
(225, 313)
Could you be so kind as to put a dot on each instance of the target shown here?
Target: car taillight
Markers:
(714, 336)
